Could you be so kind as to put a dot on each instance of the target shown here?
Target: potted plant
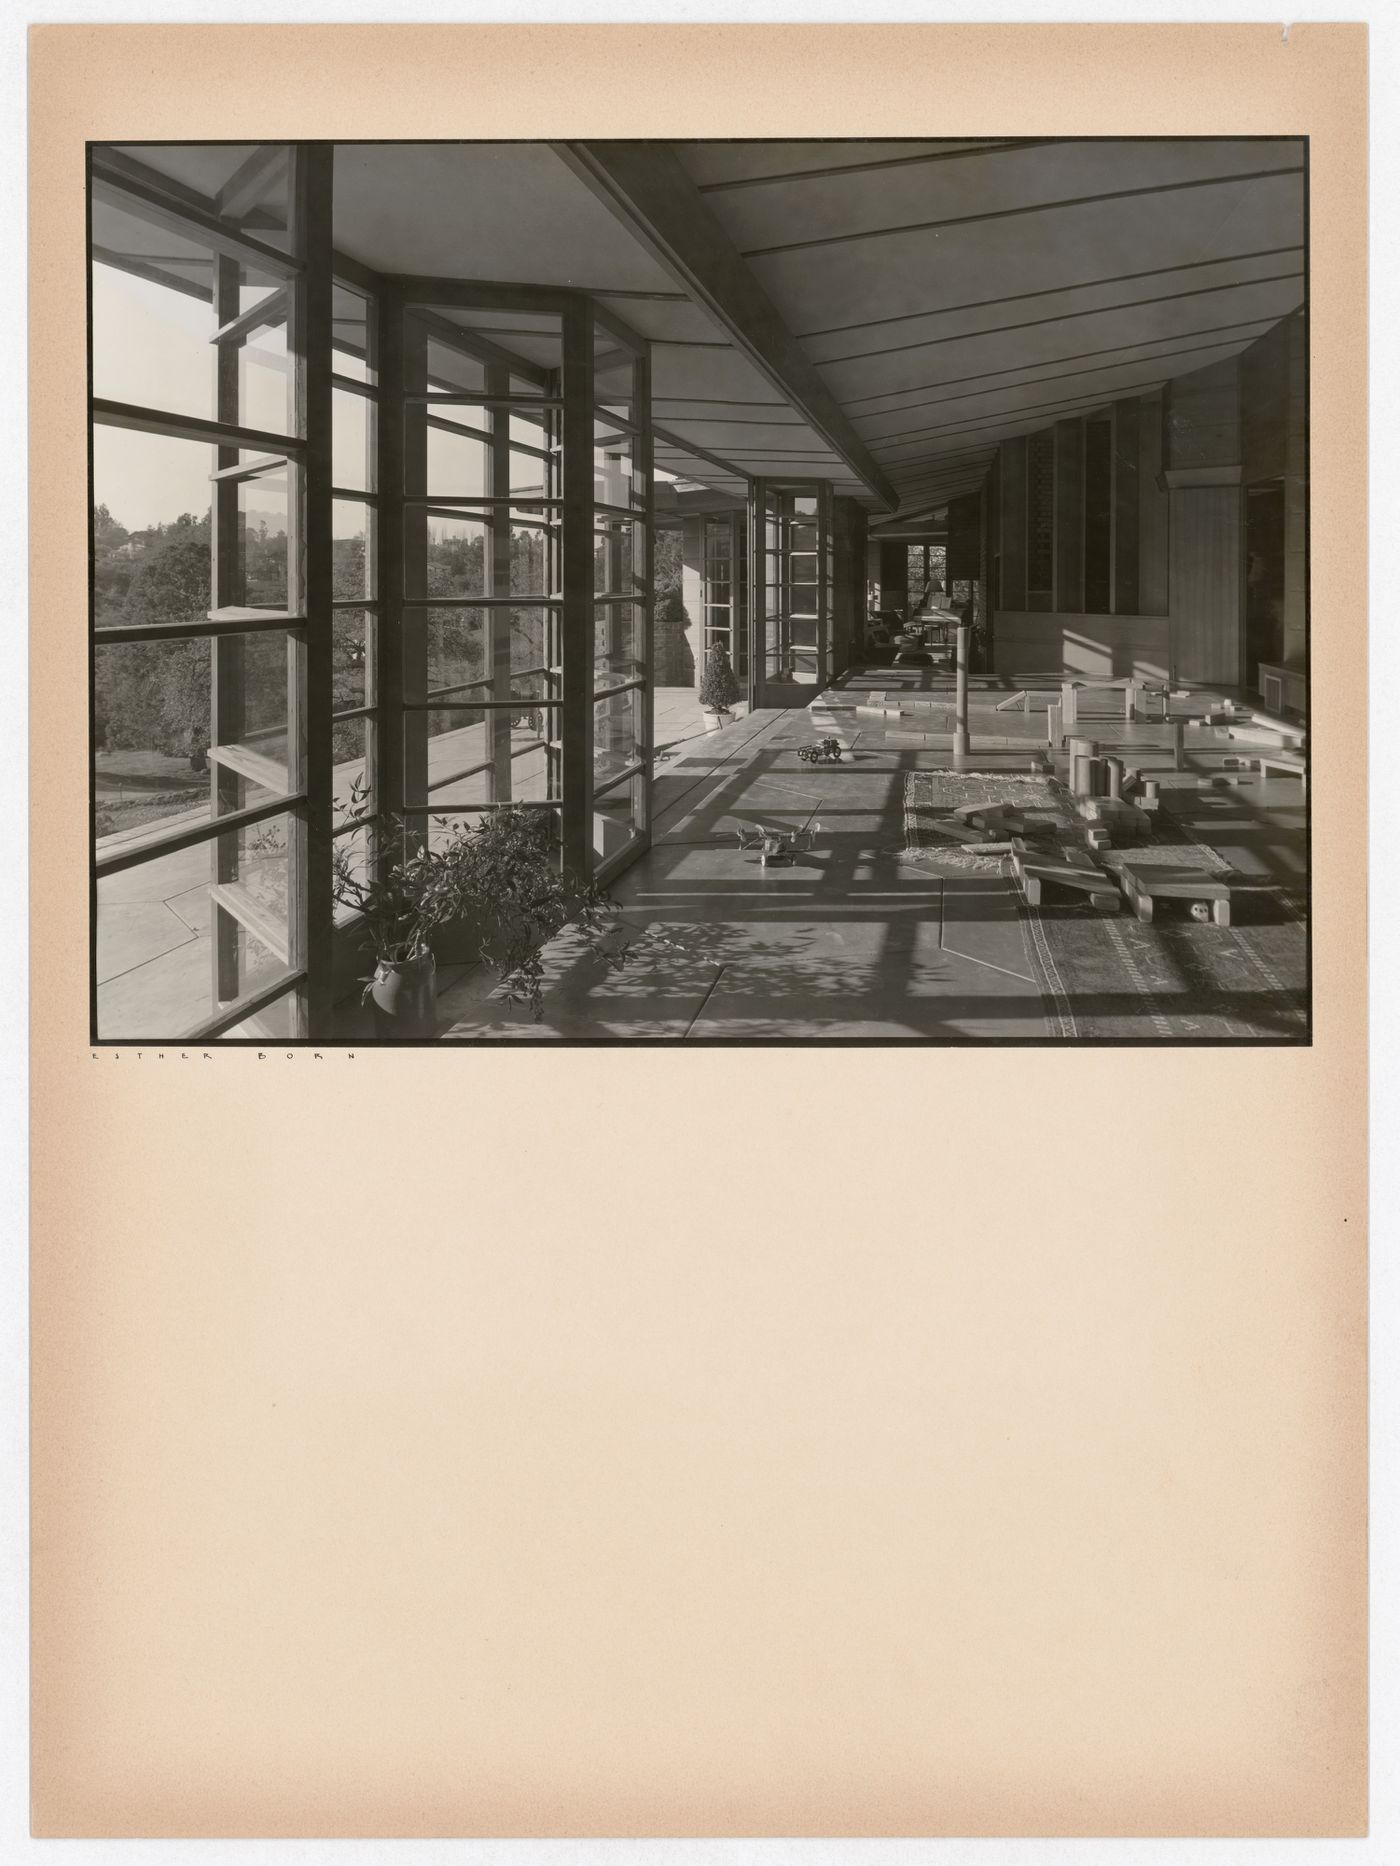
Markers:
(718, 688)
(499, 880)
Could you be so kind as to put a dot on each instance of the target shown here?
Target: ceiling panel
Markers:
(1009, 182)
(1193, 282)
(486, 210)
(713, 164)
(1103, 370)
(823, 287)
(867, 379)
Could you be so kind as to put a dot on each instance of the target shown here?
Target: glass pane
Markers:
(350, 654)
(352, 441)
(617, 480)
(529, 475)
(614, 379)
(265, 377)
(533, 642)
(802, 599)
(803, 632)
(804, 505)
(457, 550)
(444, 367)
(458, 462)
(152, 725)
(618, 547)
(462, 645)
(531, 338)
(534, 773)
(258, 174)
(439, 831)
(262, 542)
(151, 550)
(802, 537)
(352, 549)
(529, 562)
(150, 332)
(472, 755)
(158, 971)
(531, 429)
(458, 647)
(354, 847)
(273, 1021)
(352, 330)
(617, 818)
(619, 642)
(617, 732)
(258, 859)
(442, 747)
(253, 690)
(349, 764)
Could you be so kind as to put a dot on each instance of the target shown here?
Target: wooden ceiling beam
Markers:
(646, 187)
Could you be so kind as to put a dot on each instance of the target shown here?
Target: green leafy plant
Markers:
(500, 878)
(718, 687)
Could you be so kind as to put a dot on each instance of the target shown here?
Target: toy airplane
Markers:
(773, 845)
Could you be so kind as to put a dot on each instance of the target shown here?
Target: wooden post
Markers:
(310, 654)
(643, 464)
(577, 612)
(497, 622)
(389, 479)
(961, 741)
(226, 658)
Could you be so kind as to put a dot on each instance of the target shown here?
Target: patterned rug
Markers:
(1108, 976)
(931, 840)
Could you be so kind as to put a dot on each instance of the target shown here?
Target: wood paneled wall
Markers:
(1127, 516)
(1203, 417)
(894, 575)
(1274, 438)
(1069, 515)
(1093, 647)
(1153, 511)
(1295, 494)
(848, 537)
(1012, 482)
(1207, 607)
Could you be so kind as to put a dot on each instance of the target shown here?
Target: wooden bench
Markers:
(1146, 885)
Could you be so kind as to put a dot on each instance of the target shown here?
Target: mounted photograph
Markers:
(723, 592)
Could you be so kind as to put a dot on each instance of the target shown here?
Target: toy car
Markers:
(825, 750)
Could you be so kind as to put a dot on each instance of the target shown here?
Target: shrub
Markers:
(718, 687)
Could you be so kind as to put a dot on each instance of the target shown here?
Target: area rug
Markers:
(1108, 977)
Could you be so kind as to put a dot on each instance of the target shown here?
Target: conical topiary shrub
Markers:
(718, 687)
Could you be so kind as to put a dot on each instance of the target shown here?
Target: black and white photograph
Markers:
(750, 592)
(675, 735)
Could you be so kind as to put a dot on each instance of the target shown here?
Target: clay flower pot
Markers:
(404, 995)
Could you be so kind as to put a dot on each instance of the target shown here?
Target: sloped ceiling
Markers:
(949, 294)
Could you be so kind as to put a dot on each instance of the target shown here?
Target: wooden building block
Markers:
(1067, 868)
(1146, 885)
